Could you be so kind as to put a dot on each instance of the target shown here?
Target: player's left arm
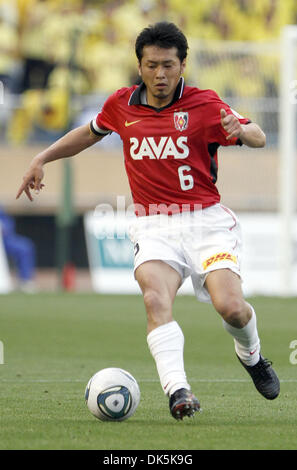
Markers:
(249, 134)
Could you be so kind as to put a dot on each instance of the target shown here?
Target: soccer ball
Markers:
(112, 394)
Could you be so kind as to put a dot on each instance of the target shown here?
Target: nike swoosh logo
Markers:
(127, 124)
(253, 352)
(166, 386)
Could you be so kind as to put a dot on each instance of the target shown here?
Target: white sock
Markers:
(246, 340)
(166, 344)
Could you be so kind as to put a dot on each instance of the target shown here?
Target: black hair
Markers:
(164, 35)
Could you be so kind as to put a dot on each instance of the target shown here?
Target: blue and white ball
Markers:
(112, 394)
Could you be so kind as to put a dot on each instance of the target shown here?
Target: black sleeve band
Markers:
(96, 132)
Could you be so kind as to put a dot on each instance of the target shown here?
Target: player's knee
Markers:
(155, 301)
(233, 310)
(158, 307)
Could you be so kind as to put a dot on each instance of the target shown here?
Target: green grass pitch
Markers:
(53, 343)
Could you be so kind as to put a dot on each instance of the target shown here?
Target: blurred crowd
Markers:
(51, 50)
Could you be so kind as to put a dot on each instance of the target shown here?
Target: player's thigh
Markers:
(159, 279)
(224, 287)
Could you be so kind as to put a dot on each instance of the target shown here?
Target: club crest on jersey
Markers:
(181, 120)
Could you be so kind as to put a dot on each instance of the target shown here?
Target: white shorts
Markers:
(193, 243)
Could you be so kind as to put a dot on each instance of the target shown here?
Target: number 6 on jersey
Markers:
(186, 180)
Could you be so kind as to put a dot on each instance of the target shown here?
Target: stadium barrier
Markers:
(5, 278)
(110, 254)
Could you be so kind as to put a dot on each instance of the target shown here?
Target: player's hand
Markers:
(231, 125)
(32, 181)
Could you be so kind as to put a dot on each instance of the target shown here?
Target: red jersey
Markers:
(170, 152)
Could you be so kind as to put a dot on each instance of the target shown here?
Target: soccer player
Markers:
(171, 133)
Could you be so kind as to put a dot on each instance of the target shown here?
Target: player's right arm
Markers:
(69, 145)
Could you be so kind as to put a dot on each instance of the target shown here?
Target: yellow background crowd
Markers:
(86, 46)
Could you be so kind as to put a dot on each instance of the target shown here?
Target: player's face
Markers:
(160, 70)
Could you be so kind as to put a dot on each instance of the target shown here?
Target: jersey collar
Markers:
(135, 98)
